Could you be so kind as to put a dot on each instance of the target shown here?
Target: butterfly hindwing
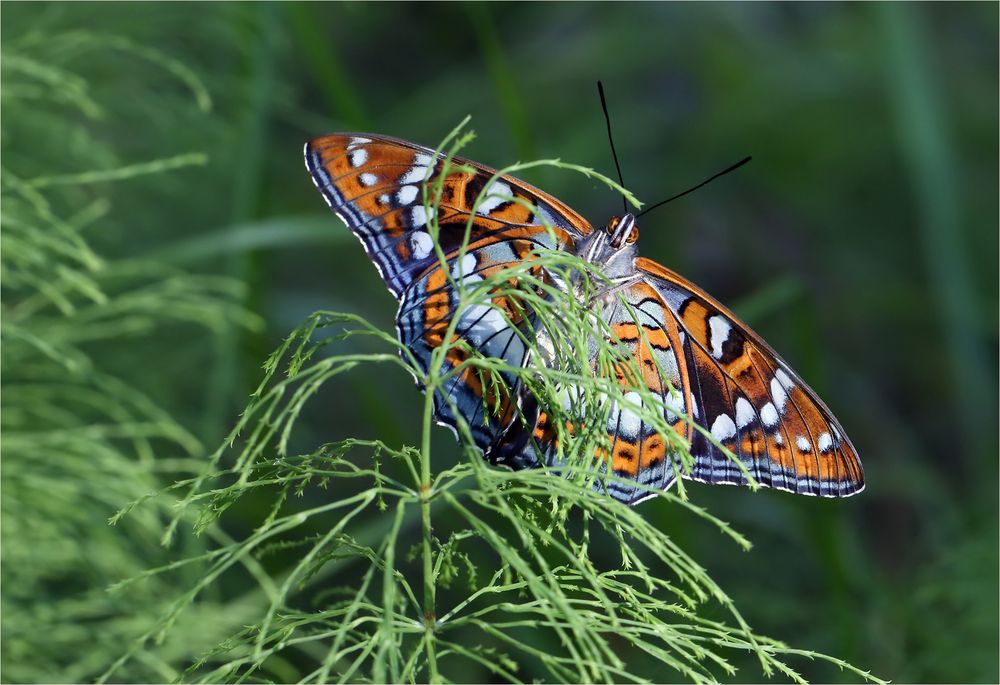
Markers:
(752, 402)
(488, 325)
(648, 363)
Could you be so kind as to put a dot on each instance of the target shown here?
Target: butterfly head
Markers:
(614, 248)
(622, 230)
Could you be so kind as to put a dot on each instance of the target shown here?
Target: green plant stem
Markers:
(430, 618)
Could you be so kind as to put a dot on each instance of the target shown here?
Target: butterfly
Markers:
(709, 368)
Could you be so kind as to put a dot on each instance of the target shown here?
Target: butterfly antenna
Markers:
(607, 119)
(734, 167)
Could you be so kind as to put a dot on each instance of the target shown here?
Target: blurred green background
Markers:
(861, 242)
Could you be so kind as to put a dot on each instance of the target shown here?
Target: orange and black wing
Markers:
(653, 399)
(752, 402)
(379, 187)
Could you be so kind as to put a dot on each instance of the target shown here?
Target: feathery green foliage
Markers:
(78, 439)
(360, 603)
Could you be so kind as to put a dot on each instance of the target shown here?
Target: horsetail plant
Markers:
(379, 530)
(80, 436)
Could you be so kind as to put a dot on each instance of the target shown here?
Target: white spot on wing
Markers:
(418, 215)
(674, 405)
(744, 413)
(769, 415)
(546, 348)
(357, 140)
(406, 195)
(496, 194)
(359, 157)
(785, 381)
(720, 329)
(463, 270)
(623, 420)
(368, 179)
(778, 440)
(723, 428)
(383, 199)
(630, 423)
(421, 244)
(802, 443)
(418, 172)
(778, 394)
(825, 442)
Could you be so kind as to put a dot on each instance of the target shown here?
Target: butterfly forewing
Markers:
(750, 401)
(377, 186)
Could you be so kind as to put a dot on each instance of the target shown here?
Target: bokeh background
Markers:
(861, 242)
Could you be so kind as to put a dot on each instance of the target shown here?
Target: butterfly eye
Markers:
(632, 236)
(612, 225)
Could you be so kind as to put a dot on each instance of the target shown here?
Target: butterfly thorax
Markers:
(613, 251)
